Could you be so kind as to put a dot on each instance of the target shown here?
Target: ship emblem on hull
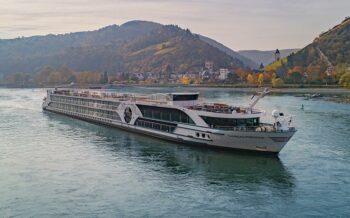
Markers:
(127, 114)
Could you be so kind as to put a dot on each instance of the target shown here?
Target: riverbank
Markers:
(283, 90)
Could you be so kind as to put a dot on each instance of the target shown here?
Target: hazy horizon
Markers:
(250, 25)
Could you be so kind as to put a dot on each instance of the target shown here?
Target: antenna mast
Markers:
(262, 95)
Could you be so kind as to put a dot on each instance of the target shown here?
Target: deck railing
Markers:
(263, 127)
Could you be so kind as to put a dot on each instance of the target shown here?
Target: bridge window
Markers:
(215, 122)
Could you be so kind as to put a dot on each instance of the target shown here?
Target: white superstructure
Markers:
(179, 117)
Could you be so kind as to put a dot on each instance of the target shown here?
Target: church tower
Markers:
(277, 55)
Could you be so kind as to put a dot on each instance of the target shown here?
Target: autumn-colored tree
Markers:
(17, 79)
(54, 78)
(314, 72)
(295, 74)
(260, 79)
(268, 76)
(43, 75)
(250, 79)
(88, 77)
(197, 80)
(297, 69)
(66, 74)
(277, 82)
(241, 73)
(185, 80)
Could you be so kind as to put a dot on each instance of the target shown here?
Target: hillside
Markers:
(136, 46)
(265, 57)
(73, 49)
(246, 60)
(330, 48)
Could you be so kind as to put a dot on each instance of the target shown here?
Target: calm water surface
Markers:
(54, 166)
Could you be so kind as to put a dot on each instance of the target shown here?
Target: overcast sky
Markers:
(239, 24)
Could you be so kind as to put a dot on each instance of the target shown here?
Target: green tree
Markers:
(340, 70)
(296, 77)
(233, 78)
(345, 79)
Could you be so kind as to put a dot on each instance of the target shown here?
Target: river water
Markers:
(54, 166)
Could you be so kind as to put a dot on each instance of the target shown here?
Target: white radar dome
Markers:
(275, 113)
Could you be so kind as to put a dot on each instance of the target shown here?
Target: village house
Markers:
(209, 65)
(223, 73)
(205, 75)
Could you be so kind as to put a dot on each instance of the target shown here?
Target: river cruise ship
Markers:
(179, 117)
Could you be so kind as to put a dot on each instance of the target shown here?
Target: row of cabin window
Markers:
(154, 125)
(228, 122)
(83, 101)
(86, 116)
(90, 111)
(166, 114)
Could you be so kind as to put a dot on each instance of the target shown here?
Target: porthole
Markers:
(197, 134)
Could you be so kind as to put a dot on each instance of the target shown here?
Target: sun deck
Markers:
(111, 96)
(160, 98)
(223, 108)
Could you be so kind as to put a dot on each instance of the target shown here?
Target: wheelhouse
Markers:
(184, 99)
(184, 96)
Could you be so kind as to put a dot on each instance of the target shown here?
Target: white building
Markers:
(223, 73)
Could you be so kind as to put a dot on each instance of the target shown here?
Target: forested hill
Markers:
(76, 49)
(136, 46)
(330, 48)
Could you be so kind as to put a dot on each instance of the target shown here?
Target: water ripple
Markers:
(53, 166)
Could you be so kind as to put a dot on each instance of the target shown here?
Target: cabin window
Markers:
(147, 113)
(157, 125)
(156, 114)
(165, 114)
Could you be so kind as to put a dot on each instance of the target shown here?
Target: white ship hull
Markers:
(271, 142)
